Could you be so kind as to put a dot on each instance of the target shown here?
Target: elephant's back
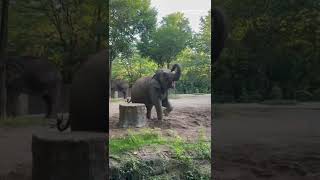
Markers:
(88, 98)
(140, 90)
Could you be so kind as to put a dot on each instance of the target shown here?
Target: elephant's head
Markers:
(167, 78)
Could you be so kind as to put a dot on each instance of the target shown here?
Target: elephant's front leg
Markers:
(155, 95)
(158, 106)
(168, 106)
(149, 108)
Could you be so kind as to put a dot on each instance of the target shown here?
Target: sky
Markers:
(192, 9)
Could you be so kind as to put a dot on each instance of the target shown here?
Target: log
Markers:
(132, 115)
(73, 155)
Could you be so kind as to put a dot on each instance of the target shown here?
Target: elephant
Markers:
(89, 96)
(120, 86)
(219, 33)
(33, 76)
(153, 90)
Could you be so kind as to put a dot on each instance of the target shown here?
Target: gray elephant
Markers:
(219, 33)
(89, 96)
(33, 76)
(120, 86)
(153, 91)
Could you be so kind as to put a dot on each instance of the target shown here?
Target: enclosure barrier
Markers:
(70, 155)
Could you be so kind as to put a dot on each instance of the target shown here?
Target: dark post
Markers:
(3, 56)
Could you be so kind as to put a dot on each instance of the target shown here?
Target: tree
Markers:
(133, 68)
(130, 23)
(3, 55)
(169, 39)
(65, 31)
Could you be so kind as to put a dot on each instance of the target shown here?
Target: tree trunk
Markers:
(3, 56)
(110, 73)
(132, 115)
(98, 32)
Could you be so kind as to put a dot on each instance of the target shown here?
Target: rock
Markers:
(132, 115)
(65, 156)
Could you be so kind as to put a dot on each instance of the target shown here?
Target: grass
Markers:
(134, 141)
(22, 121)
(116, 99)
(279, 102)
(186, 154)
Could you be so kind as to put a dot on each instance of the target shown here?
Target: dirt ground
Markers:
(190, 116)
(253, 141)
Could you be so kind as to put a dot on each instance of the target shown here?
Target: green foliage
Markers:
(130, 22)
(138, 48)
(63, 31)
(132, 68)
(196, 72)
(169, 39)
(269, 42)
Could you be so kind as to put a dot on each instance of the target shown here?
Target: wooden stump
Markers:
(132, 115)
(65, 156)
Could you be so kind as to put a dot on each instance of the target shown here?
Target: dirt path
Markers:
(191, 114)
(253, 141)
(15, 152)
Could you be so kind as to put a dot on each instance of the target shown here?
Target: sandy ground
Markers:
(253, 141)
(190, 116)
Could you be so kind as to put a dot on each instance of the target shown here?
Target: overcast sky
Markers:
(192, 9)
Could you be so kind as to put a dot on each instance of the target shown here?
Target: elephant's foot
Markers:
(166, 112)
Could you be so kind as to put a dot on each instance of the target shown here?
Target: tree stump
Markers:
(132, 115)
(65, 156)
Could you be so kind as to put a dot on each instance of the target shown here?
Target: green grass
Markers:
(134, 141)
(22, 121)
(187, 154)
(147, 137)
(116, 99)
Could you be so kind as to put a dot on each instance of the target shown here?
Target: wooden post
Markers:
(71, 155)
(132, 114)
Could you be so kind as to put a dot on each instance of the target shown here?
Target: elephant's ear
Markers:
(156, 76)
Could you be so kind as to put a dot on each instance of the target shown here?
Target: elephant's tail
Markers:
(59, 124)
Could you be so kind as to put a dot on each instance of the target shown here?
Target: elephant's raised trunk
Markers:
(177, 74)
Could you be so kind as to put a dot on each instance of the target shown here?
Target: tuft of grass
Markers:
(134, 140)
(22, 121)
